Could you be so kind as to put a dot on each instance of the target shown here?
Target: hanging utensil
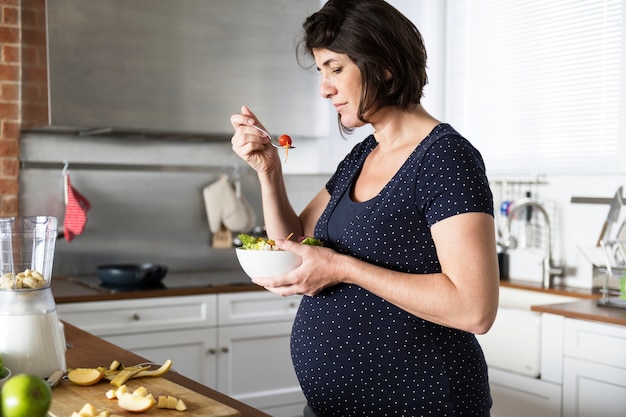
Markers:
(611, 218)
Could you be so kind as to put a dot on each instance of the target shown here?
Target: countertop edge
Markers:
(558, 290)
(65, 290)
(87, 349)
(585, 310)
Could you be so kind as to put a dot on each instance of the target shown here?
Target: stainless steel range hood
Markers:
(178, 67)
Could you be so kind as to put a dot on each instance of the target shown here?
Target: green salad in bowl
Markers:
(250, 242)
(260, 257)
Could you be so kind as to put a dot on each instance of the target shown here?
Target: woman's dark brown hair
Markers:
(381, 41)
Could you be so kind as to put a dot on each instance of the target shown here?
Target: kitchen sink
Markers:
(514, 341)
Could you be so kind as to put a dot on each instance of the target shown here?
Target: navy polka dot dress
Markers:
(356, 354)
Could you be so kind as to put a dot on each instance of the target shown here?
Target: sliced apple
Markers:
(135, 403)
(88, 410)
(141, 391)
(85, 376)
(181, 406)
(171, 402)
(162, 402)
(114, 365)
(121, 391)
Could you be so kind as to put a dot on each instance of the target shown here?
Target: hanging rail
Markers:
(592, 200)
(511, 181)
(91, 166)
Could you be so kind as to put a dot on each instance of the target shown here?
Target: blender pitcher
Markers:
(31, 335)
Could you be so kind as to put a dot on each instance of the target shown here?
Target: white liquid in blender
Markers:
(33, 344)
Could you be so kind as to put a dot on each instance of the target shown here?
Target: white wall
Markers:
(579, 224)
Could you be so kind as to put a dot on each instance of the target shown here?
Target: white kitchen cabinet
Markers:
(178, 328)
(141, 315)
(594, 369)
(523, 350)
(516, 395)
(253, 362)
(236, 343)
(192, 352)
(254, 367)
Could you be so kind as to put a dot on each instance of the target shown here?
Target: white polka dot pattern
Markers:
(356, 354)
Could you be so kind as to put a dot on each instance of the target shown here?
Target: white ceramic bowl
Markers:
(266, 263)
(3, 380)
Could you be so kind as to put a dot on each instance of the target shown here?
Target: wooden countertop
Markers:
(557, 290)
(88, 350)
(585, 309)
(68, 290)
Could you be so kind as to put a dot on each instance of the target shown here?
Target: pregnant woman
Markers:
(408, 273)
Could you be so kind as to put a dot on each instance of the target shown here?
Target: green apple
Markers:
(25, 395)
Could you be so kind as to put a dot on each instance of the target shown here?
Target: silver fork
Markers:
(273, 141)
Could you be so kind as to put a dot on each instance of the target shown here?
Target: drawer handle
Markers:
(135, 317)
(211, 351)
(224, 349)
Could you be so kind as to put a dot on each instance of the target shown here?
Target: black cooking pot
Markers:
(131, 274)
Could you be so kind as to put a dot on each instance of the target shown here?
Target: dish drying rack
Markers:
(614, 252)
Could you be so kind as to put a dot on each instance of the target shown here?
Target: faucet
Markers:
(548, 270)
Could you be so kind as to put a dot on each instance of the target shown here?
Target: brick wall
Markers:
(9, 105)
(22, 103)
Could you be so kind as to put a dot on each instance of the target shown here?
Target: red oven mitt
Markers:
(75, 212)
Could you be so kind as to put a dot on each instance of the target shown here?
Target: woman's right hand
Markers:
(251, 145)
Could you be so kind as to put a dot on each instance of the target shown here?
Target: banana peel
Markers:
(132, 372)
(118, 375)
(123, 376)
(155, 372)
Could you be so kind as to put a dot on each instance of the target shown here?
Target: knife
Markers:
(56, 377)
(611, 218)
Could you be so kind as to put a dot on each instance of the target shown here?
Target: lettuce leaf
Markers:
(259, 243)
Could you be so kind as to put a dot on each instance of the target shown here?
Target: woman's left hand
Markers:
(319, 269)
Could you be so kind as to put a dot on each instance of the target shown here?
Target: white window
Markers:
(538, 85)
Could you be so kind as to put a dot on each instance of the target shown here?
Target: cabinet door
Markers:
(254, 366)
(517, 395)
(596, 342)
(591, 389)
(191, 351)
(112, 318)
(256, 307)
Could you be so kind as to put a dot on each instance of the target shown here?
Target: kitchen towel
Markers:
(76, 207)
(225, 207)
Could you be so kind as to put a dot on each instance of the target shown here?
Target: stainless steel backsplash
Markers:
(146, 197)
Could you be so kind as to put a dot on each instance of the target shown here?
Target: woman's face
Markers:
(340, 83)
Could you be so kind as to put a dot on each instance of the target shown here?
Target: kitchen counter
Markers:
(89, 350)
(585, 309)
(80, 289)
(71, 290)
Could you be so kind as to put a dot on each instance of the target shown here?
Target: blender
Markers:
(31, 335)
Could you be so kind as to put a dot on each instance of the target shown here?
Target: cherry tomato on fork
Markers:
(284, 140)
